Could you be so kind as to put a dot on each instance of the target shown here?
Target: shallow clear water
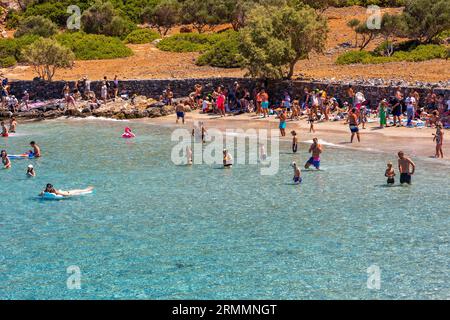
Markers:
(153, 230)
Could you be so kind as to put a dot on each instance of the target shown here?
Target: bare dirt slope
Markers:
(149, 62)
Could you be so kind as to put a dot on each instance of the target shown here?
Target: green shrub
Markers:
(7, 62)
(36, 25)
(54, 11)
(352, 57)
(224, 53)
(103, 18)
(11, 50)
(12, 20)
(94, 47)
(141, 36)
(189, 42)
(421, 53)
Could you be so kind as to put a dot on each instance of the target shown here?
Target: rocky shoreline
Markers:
(119, 109)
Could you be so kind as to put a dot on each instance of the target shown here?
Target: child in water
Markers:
(262, 153)
(297, 174)
(5, 132)
(294, 141)
(390, 174)
(5, 160)
(189, 155)
(30, 171)
(227, 159)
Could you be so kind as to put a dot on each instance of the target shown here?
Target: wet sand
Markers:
(413, 141)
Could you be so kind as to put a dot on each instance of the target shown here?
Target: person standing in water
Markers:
(390, 174)
(12, 125)
(30, 171)
(353, 123)
(404, 167)
(227, 159)
(36, 149)
(439, 139)
(297, 174)
(316, 150)
(5, 132)
(180, 112)
(5, 160)
(294, 141)
(189, 155)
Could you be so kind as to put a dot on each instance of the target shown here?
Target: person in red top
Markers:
(221, 103)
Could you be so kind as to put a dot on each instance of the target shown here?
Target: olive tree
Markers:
(276, 38)
(46, 56)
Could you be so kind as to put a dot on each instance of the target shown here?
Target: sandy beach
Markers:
(413, 141)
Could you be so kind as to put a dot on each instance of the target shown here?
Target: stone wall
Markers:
(153, 88)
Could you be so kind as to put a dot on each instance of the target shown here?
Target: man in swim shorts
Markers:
(180, 112)
(264, 103)
(316, 149)
(404, 165)
(36, 149)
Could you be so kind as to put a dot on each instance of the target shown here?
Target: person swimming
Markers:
(5, 160)
(227, 159)
(30, 171)
(297, 174)
(390, 174)
(50, 189)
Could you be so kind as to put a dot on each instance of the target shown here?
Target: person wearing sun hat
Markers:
(30, 171)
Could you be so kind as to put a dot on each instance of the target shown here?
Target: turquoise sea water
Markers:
(153, 230)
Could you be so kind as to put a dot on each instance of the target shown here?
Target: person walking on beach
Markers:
(294, 141)
(397, 109)
(410, 109)
(116, 86)
(382, 113)
(404, 167)
(283, 123)
(220, 101)
(26, 99)
(316, 150)
(390, 174)
(353, 123)
(265, 103)
(439, 139)
(5, 160)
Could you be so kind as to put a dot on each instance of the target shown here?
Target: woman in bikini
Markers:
(439, 139)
